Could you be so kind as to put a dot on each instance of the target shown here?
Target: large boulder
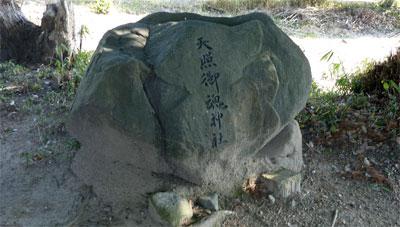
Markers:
(185, 100)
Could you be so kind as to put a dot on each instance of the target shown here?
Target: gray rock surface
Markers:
(169, 208)
(182, 100)
(209, 202)
(282, 183)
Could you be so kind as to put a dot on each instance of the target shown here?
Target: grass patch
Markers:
(139, 6)
(10, 69)
(231, 6)
(235, 6)
(324, 109)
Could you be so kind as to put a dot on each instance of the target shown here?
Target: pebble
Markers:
(366, 162)
(313, 172)
(373, 161)
(293, 203)
(364, 129)
(347, 168)
(209, 202)
(107, 209)
(271, 199)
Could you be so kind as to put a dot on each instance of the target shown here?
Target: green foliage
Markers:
(28, 157)
(327, 56)
(358, 101)
(376, 82)
(393, 93)
(79, 66)
(391, 86)
(73, 145)
(11, 79)
(381, 78)
(10, 69)
(102, 6)
(61, 63)
(32, 156)
(344, 84)
(83, 32)
(387, 4)
(323, 108)
(70, 71)
(45, 73)
(344, 81)
(384, 6)
(45, 93)
(145, 6)
(336, 68)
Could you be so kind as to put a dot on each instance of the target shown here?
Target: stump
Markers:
(25, 42)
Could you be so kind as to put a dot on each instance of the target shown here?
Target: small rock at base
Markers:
(209, 202)
(366, 162)
(169, 207)
(271, 199)
(293, 203)
(347, 168)
(283, 183)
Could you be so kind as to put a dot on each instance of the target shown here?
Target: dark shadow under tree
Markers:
(26, 42)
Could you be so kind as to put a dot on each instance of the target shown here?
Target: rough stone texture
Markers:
(209, 202)
(283, 183)
(169, 208)
(142, 112)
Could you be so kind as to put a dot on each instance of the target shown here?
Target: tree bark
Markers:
(25, 42)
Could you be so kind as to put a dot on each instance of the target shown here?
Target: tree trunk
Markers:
(25, 42)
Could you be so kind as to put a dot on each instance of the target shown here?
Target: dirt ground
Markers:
(38, 188)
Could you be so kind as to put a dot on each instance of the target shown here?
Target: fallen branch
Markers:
(335, 218)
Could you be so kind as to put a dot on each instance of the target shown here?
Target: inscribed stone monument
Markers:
(181, 100)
